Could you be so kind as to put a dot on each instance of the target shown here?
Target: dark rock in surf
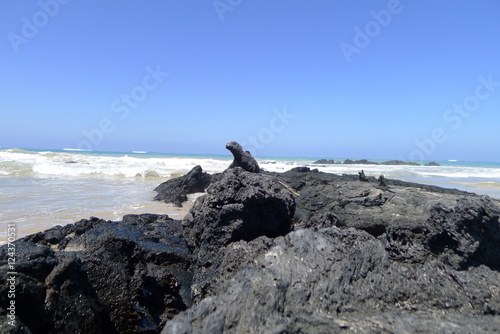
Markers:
(432, 164)
(359, 162)
(242, 158)
(325, 162)
(389, 163)
(399, 163)
(175, 190)
(367, 162)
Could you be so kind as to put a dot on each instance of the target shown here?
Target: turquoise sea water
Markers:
(43, 188)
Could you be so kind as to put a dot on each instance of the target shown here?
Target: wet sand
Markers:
(27, 227)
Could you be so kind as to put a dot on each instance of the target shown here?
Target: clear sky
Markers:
(412, 80)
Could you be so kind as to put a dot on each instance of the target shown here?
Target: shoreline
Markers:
(24, 229)
(41, 189)
(26, 226)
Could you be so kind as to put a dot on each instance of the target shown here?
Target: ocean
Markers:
(43, 188)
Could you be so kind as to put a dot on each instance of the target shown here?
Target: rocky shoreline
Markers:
(295, 252)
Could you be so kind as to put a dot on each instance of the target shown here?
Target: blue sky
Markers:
(410, 80)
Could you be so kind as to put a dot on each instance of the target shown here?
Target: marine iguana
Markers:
(242, 158)
(246, 161)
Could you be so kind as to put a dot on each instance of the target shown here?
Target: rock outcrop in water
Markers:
(175, 190)
(297, 252)
(366, 162)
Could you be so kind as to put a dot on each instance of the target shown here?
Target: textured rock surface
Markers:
(362, 258)
(413, 221)
(98, 276)
(175, 190)
(335, 280)
(240, 206)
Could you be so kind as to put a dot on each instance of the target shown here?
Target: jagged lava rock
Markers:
(415, 221)
(175, 190)
(98, 276)
(343, 281)
(240, 206)
(361, 258)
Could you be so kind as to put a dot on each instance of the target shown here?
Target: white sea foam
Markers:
(414, 171)
(76, 149)
(63, 164)
(15, 162)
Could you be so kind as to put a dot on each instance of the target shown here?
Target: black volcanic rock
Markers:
(175, 190)
(100, 276)
(325, 162)
(343, 281)
(361, 259)
(367, 162)
(359, 162)
(415, 221)
(240, 206)
(399, 163)
(432, 164)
